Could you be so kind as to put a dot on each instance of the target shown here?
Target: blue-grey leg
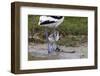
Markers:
(50, 47)
(54, 43)
(48, 43)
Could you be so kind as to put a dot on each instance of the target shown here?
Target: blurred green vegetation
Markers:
(74, 26)
(73, 30)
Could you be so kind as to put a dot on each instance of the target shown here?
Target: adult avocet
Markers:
(51, 22)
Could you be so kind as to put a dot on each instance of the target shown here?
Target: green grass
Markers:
(73, 30)
(74, 26)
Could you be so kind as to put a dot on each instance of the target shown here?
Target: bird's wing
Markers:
(52, 19)
(43, 18)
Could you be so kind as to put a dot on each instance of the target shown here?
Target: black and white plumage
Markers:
(51, 22)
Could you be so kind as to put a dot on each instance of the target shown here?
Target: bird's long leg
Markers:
(54, 35)
(48, 44)
(55, 42)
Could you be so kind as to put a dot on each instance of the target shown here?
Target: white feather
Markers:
(52, 25)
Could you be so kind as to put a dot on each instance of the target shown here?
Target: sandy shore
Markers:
(39, 52)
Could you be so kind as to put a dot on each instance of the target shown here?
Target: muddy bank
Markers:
(39, 52)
